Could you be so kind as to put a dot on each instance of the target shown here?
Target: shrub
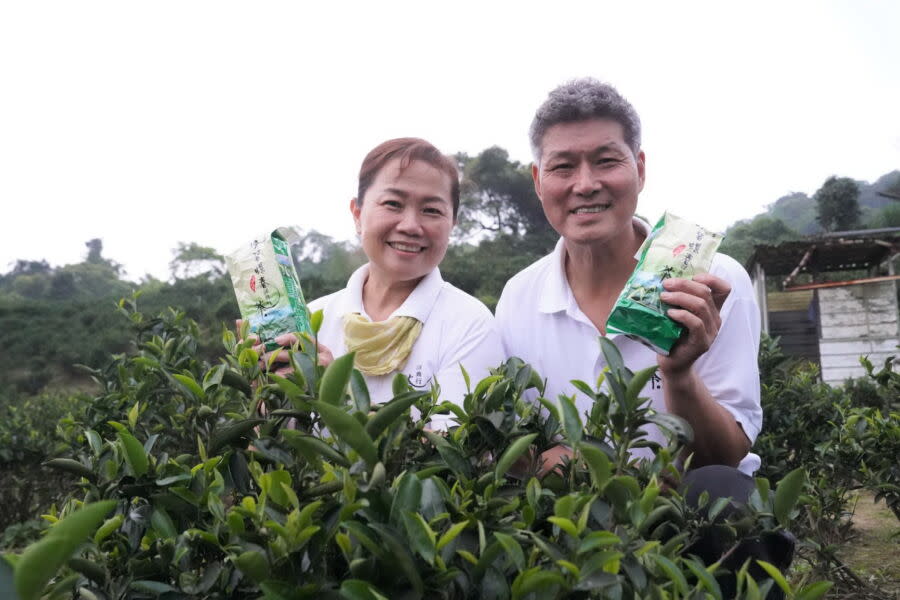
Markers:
(210, 500)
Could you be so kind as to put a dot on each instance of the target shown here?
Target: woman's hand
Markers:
(287, 341)
(695, 304)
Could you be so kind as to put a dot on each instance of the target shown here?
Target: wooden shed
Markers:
(847, 306)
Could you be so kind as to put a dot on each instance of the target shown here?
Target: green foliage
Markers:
(889, 216)
(837, 204)
(846, 438)
(741, 237)
(497, 195)
(212, 500)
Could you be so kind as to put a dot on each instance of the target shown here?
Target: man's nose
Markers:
(586, 182)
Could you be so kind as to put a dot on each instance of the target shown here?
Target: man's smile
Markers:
(593, 208)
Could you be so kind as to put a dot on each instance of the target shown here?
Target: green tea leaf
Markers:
(565, 524)
(41, 560)
(231, 434)
(512, 548)
(310, 447)
(776, 575)
(598, 464)
(598, 539)
(512, 453)
(162, 523)
(135, 455)
(348, 430)
(388, 413)
(359, 392)
(637, 383)
(191, 385)
(814, 591)
(454, 459)
(571, 420)
(315, 321)
(407, 497)
(253, 564)
(133, 414)
(705, 578)
(71, 466)
(672, 572)
(787, 492)
(421, 536)
(335, 379)
(450, 535)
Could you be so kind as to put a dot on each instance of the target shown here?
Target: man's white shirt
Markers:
(457, 329)
(541, 323)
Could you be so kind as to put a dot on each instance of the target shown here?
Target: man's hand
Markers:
(550, 460)
(696, 304)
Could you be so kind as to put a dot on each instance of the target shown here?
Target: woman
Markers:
(396, 312)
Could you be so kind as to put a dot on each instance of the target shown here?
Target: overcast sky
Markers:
(150, 123)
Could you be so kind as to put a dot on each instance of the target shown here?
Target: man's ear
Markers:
(355, 209)
(641, 168)
(536, 177)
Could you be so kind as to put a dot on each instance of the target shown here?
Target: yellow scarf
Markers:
(380, 347)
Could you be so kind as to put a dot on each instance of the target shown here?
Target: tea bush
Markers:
(185, 491)
(846, 438)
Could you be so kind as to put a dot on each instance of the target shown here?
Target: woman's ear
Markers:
(355, 210)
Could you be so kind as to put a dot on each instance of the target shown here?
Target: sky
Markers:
(147, 124)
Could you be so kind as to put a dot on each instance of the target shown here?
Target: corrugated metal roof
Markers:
(838, 251)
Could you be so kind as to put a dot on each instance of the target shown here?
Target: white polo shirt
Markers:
(457, 329)
(541, 323)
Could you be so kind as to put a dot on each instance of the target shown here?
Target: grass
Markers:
(873, 551)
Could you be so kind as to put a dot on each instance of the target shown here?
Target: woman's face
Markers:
(405, 220)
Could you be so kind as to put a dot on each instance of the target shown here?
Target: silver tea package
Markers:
(675, 248)
(267, 286)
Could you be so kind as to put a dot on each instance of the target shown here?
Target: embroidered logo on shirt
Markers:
(417, 380)
(655, 382)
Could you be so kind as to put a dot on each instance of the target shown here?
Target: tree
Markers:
(497, 196)
(741, 237)
(837, 203)
(193, 260)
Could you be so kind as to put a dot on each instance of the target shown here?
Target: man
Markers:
(588, 172)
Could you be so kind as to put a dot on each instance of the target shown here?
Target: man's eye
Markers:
(392, 203)
(561, 167)
(434, 211)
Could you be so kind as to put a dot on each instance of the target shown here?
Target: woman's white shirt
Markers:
(457, 329)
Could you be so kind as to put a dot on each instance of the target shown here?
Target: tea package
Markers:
(267, 286)
(675, 248)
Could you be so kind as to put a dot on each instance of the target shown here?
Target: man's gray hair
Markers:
(582, 100)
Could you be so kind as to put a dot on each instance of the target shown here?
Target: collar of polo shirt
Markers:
(418, 305)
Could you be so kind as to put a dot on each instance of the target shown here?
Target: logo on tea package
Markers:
(416, 379)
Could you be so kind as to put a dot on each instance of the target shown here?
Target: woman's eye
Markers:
(434, 211)
(392, 203)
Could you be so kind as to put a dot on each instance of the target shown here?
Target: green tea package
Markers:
(267, 286)
(675, 248)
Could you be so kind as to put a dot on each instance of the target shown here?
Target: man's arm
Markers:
(718, 438)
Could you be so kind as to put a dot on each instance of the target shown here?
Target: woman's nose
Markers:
(410, 222)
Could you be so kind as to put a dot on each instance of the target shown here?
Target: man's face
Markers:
(588, 180)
